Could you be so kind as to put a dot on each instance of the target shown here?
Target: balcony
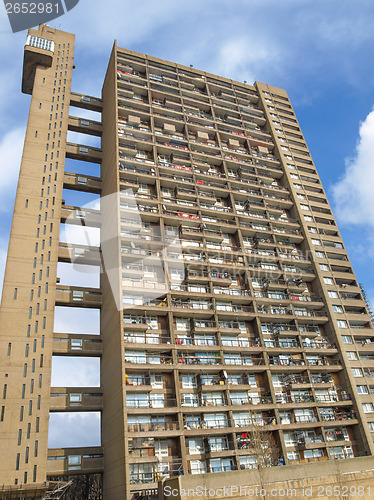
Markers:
(338, 415)
(185, 194)
(295, 398)
(205, 326)
(187, 359)
(230, 327)
(195, 277)
(294, 381)
(148, 338)
(148, 358)
(333, 398)
(151, 427)
(264, 399)
(164, 402)
(197, 424)
(221, 279)
(232, 311)
(138, 323)
(290, 361)
(242, 360)
(323, 361)
(191, 306)
(187, 340)
(318, 344)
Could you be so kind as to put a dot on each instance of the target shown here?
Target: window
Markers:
(247, 462)
(293, 455)
(371, 426)
(198, 467)
(315, 453)
(74, 462)
(304, 207)
(342, 323)
(40, 43)
(337, 309)
(190, 400)
(362, 389)
(156, 381)
(324, 267)
(332, 294)
(316, 242)
(312, 230)
(320, 255)
(308, 218)
(352, 356)
(189, 381)
(76, 344)
(328, 281)
(195, 445)
(161, 448)
(357, 372)
(75, 399)
(368, 407)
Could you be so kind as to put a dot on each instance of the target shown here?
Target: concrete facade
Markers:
(350, 478)
(233, 331)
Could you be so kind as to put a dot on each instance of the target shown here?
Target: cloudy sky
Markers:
(321, 51)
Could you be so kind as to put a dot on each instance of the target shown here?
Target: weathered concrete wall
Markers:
(340, 479)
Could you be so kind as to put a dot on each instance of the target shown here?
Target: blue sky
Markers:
(320, 51)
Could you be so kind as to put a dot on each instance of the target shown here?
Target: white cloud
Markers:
(3, 254)
(77, 320)
(11, 148)
(353, 194)
(74, 429)
(70, 371)
(85, 139)
(243, 58)
(78, 274)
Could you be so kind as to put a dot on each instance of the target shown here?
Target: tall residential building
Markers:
(231, 321)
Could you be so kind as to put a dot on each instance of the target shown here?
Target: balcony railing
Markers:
(148, 359)
(204, 424)
(150, 427)
(330, 398)
(195, 360)
(338, 416)
(147, 339)
(159, 403)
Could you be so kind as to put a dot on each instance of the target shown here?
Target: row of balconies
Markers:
(197, 422)
(193, 400)
(191, 82)
(282, 362)
(247, 145)
(186, 107)
(211, 339)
